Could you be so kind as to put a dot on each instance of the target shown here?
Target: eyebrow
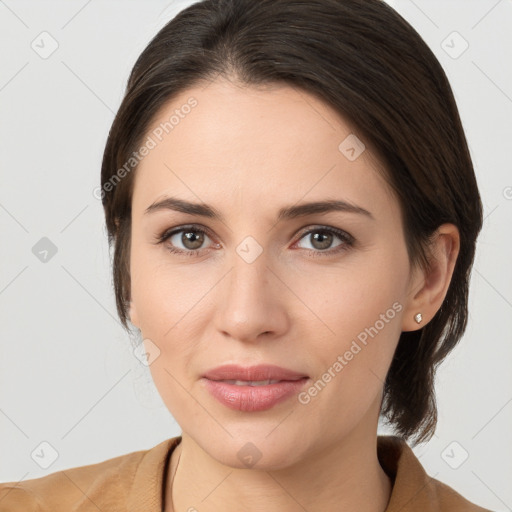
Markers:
(289, 212)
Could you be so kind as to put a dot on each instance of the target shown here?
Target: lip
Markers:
(253, 398)
(252, 373)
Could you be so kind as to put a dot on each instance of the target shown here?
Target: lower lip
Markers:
(253, 398)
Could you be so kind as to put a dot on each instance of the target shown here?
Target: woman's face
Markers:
(322, 293)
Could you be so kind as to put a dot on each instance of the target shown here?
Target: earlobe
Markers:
(434, 282)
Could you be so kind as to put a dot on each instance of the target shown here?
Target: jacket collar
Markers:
(413, 489)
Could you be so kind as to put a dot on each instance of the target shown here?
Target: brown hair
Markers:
(366, 62)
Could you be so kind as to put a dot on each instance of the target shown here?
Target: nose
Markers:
(252, 301)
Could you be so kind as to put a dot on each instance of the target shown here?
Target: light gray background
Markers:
(67, 373)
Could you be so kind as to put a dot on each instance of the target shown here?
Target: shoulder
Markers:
(73, 487)
(449, 499)
(414, 490)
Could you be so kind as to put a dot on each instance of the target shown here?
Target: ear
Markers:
(429, 287)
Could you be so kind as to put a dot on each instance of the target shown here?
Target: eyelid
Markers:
(347, 239)
(319, 227)
(177, 229)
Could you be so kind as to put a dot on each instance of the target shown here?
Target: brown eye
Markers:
(185, 240)
(322, 239)
(191, 239)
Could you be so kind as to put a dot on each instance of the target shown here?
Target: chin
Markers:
(255, 450)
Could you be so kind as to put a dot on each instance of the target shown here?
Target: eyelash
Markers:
(348, 240)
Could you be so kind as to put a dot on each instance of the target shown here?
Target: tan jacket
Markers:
(135, 482)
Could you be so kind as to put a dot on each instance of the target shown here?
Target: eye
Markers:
(322, 240)
(191, 238)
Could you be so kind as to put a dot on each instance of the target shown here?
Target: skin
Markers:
(248, 152)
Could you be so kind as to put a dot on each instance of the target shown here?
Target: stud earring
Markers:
(418, 318)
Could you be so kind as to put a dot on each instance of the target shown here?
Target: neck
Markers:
(343, 476)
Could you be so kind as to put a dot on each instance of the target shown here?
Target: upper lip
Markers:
(252, 373)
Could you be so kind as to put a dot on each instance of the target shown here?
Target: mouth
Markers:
(253, 395)
(254, 382)
(260, 375)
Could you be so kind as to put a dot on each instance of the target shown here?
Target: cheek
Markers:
(360, 320)
(351, 297)
(170, 318)
(161, 294)
(170, 304)
(358, 324)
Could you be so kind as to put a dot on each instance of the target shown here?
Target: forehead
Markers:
(221, 142)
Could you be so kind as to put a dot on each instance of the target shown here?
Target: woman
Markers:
(294, 212)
